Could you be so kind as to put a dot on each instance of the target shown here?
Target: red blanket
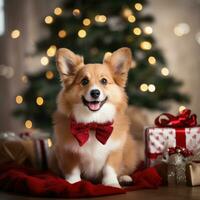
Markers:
(27, 181)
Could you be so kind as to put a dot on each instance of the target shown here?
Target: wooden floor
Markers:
(163, 193)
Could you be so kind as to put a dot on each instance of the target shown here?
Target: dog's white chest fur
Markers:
(93, 155)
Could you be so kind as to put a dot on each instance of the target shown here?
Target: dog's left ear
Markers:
(120, 62)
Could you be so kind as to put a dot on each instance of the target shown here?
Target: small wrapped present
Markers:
(30, 149)
(171, 132)
(193, 173)
(39, 150)
(193, 169)
(12, 149)
(172, 165)
(177, 160)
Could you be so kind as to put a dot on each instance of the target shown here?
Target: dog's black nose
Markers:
(95, 93)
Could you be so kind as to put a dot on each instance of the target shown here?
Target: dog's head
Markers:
(93, 92)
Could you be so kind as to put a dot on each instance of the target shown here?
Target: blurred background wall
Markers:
(176, 29)
(181, 51)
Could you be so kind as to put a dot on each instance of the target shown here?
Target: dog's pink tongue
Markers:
(94, 106)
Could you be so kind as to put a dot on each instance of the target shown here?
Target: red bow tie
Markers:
(81, 131)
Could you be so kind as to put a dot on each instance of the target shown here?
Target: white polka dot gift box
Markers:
(171, 131)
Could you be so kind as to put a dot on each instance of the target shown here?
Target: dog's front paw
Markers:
(110, 177)
(72, 178)
(125, 180)
(111, 182)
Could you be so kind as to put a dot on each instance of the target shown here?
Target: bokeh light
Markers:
(15, 34)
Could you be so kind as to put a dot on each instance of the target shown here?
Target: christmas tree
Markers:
(93, 28)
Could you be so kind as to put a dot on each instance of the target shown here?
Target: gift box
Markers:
(29, 149)
(171, 132)
(12, 149)
(193, 173)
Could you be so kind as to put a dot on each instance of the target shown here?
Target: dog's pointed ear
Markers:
(68, 63)
(119, 62)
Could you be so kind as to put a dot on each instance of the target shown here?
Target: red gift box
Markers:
(170, 132)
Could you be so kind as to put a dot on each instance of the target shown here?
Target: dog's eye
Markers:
(84, 81)
(104, 81)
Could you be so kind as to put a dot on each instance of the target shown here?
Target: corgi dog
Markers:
(92, 139)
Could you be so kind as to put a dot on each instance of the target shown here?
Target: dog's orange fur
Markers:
(115, 69)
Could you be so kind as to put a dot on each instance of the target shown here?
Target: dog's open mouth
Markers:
(93, 105)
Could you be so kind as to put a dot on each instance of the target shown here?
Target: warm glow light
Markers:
(39, 101)
(145, 45)
(24, 79)
(15, 34)
(48, 19)
(97, 18)
(49, 142)
(152, 60)
(62, 34)
(44, 60)
(127, 12)
(82, 33)
(137, 31)
(148, 30)
(181, 108)
(181, 29)
(51, 51)
(138, 6)
(144, 87)
(49, 75)
(28, 124)
(131, 19)
(100, 18)
(165, 71)
(58, 11)
(151, 88)
(19, 99)
(76, 12)
(86, 22)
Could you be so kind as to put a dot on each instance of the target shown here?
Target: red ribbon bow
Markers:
(184, 119)
(81, 131)
(184, 151)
